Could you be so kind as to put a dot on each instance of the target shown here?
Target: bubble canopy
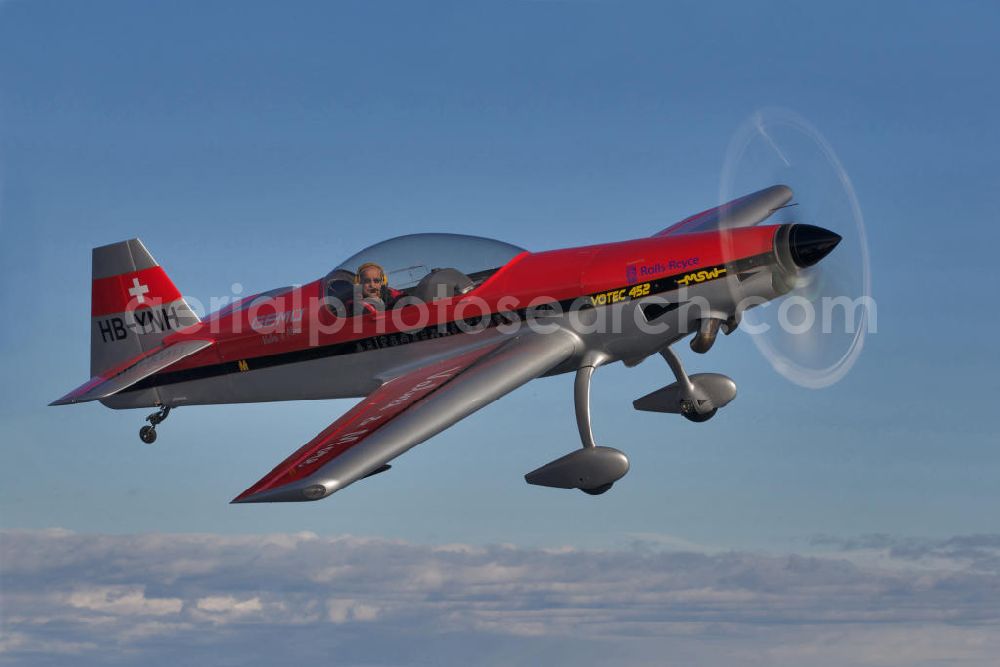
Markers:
(408, 259)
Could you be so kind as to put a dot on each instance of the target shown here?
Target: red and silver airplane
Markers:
(466, 321)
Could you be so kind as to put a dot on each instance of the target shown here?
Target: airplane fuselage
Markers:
(623, 301)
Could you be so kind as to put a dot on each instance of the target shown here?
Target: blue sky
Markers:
(263, 143)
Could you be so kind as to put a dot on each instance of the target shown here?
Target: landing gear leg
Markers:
(593, 468)
(688, 407)
(148, 433)
(581, 400)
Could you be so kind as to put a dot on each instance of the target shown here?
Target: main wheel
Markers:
(147, 434)
(598, 490)
(700, 416)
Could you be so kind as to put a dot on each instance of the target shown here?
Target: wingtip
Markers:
(283, 494)
(265, 495)
(245, 497)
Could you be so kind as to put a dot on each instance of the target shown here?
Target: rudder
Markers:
(134, 304)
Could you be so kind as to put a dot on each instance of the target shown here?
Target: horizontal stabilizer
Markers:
(132, 371)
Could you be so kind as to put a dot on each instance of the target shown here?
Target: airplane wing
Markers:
(743, 212)
(407, 410)
(127, 374)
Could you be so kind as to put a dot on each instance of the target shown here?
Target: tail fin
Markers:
(134, 304)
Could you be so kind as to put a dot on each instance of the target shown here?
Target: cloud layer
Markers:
(196, 599)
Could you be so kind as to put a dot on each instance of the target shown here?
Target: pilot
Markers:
(375, 291)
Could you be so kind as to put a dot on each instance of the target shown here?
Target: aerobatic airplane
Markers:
(429, 328)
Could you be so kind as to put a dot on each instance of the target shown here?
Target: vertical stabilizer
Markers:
(134, 304)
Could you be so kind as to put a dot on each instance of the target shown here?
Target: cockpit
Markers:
(414, 268)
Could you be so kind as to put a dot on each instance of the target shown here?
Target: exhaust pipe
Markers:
(704, 339)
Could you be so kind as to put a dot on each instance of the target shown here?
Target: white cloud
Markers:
(344, 610)
(229, 605)
(123, 600)
(163, 599)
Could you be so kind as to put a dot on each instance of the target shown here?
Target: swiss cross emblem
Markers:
(138, 290)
